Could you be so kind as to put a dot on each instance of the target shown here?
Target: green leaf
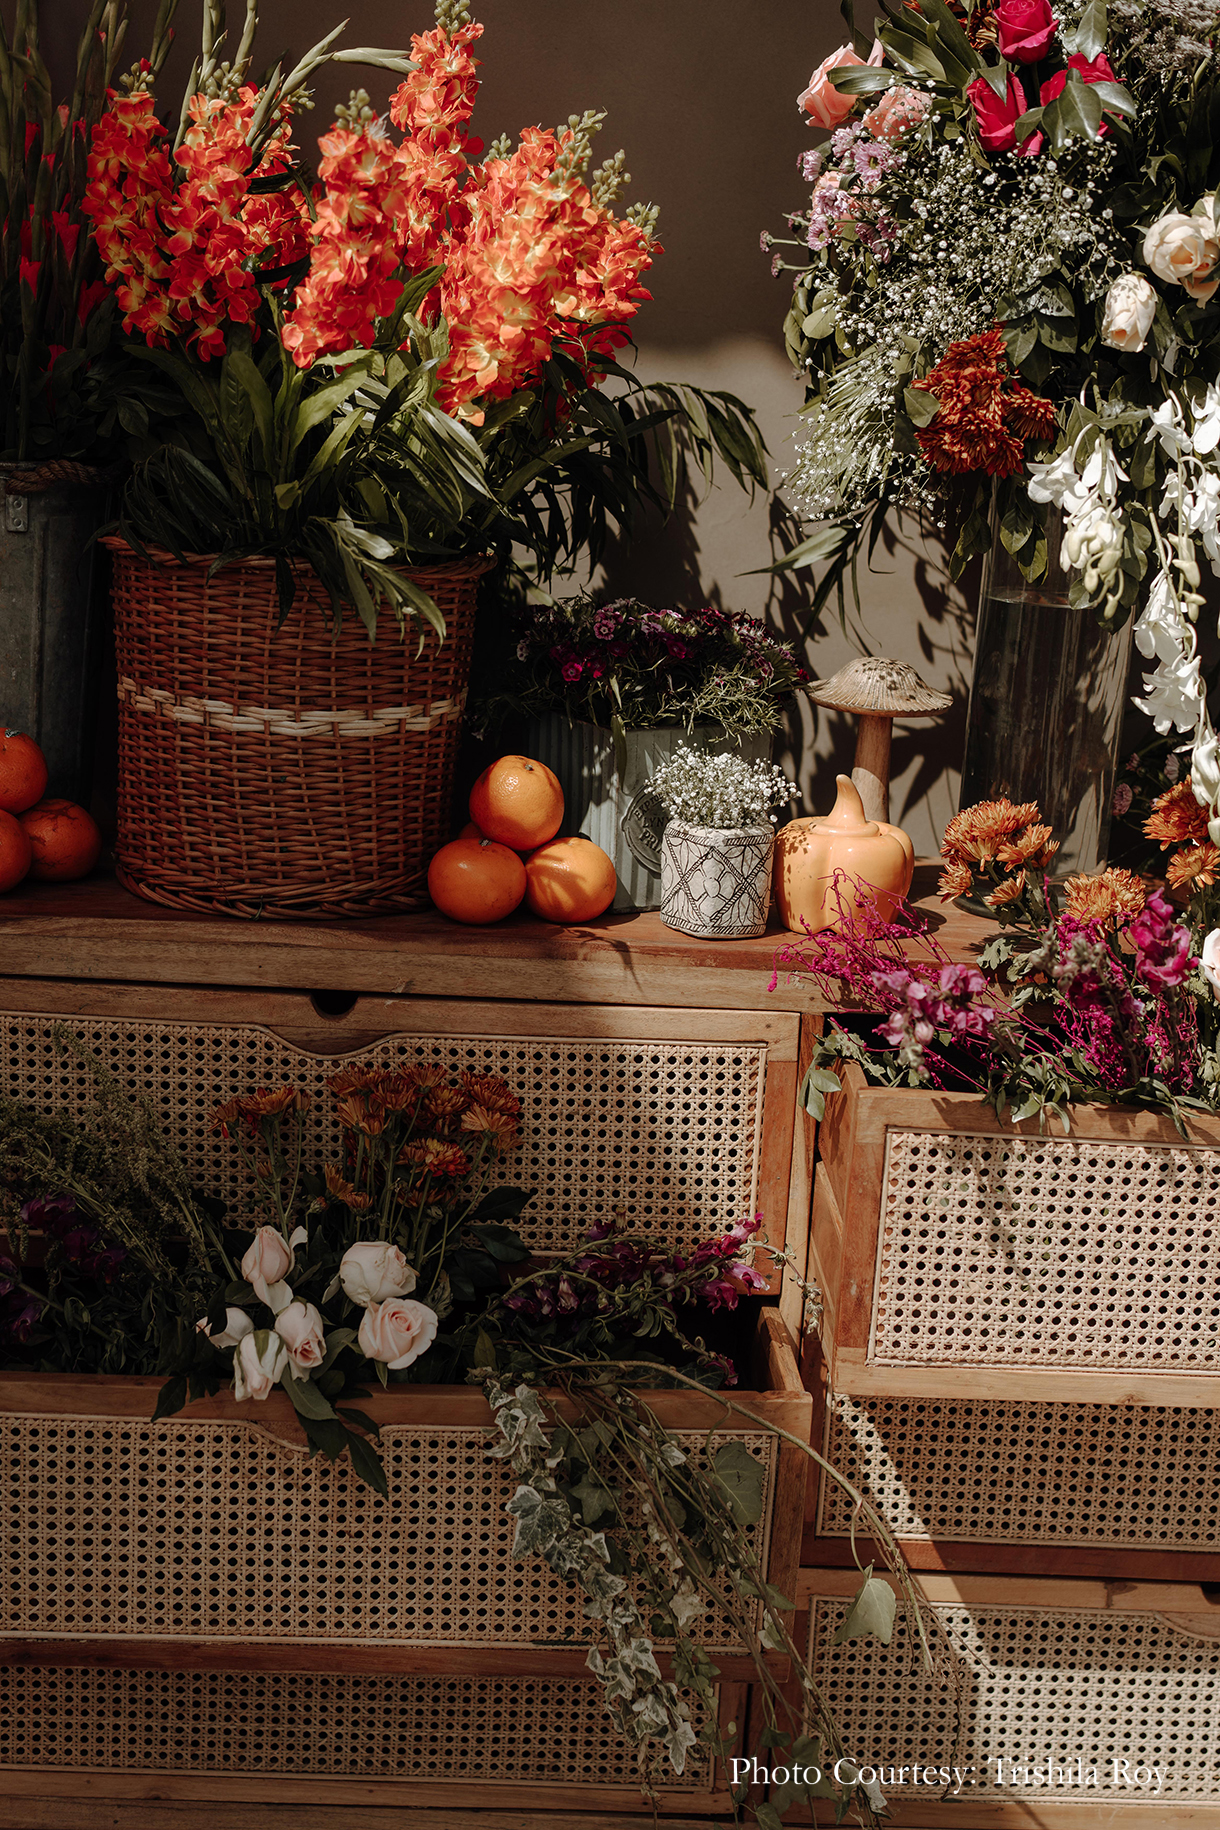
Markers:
(1074, 112)
(827, 542)
(171, 1397)
(922, 406)
(367, 1463)
(851, 80)
(1091, 32)
(766, 1815)
(873, 1611)
(241, 367)
(741, 1475)
(306, 1397)
(817, 1083)
(502, 1243)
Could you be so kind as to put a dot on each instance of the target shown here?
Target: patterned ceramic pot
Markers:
(716, 884)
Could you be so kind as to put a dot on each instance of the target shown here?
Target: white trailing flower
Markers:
(1205, 775)
(722, 792)
(1093, 544)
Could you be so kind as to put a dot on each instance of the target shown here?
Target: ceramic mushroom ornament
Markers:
(877, 691)
(827, 870)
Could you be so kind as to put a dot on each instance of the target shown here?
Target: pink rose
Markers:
(237, 1324)
(266, 1261)
(299, 1326)
(1026, 29)
(821, 101)
(397, 1332)
(372, 1271)
(997, 119)
(897, 110)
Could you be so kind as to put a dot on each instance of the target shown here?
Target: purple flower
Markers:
(1162, 945)
(811, 163)
(720, 1294)
(605, 624)
(745, 1277)
(1121, 800)
(1173, 767)
(54, 1215)
(572, 670)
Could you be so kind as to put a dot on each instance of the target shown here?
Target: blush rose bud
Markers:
(266, 1262)
(821, 101)
(371, 1272)
(1129, 310)
(397, 1332)
(237, 1325)
(258, 1364)
(299, 1326)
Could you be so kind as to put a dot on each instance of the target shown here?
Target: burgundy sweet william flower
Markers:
(1026, 29)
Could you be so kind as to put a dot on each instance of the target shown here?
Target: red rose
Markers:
(1096, 71)
(1026, 28)
(997, 119)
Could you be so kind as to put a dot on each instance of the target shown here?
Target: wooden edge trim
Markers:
(1027, 1591)
(855, 1378)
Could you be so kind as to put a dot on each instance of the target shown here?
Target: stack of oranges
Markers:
(53, 841)
(516, 806)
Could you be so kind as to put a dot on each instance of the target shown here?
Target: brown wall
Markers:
(701, 93)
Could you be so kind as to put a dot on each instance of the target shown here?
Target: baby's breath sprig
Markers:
(720, 792)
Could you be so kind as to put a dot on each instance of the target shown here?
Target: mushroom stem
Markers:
(871, 770)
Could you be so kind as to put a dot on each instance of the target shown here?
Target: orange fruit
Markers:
(65, 840)
(517, 802)
(23, 772)
(476, 881)
(569, 880)
(16, 852)
(471, 831)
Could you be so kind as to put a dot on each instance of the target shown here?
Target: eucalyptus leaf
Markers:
(741, 1475)
(873, 1611)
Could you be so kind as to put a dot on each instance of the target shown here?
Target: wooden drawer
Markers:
(1061, 1702)
(955, 1254)
(682, 1119)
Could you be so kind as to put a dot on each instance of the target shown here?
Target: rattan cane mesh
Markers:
(1033, 1687)
(1047, 1252)
(1020, 1472)
(294, 772)
(668, 1132)
(493, 1730)
(121, 1526)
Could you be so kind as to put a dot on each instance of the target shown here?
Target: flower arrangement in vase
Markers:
(717, 842)
(1004, 304)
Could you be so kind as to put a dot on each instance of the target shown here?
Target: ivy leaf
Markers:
(593, 1499)
(873, 1611)
(740, 1474)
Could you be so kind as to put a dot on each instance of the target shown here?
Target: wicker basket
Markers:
(292, 772)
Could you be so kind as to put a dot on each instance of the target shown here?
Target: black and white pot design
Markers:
(716, 884)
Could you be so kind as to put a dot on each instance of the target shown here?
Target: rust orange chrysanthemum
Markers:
(1008, 891)
(1113, 895)
(957, 879)
(976, 833)
(1034, 846)
(1194, 867)
(1176, 817)
(985, 412)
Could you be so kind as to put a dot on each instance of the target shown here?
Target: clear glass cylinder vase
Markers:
(1046, 704)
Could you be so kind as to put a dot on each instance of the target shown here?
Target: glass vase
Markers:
(1046, 704)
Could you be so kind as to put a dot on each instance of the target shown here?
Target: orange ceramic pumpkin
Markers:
(875, 862)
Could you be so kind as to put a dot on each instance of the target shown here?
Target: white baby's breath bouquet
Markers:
(723, 793)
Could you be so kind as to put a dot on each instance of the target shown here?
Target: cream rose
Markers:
(266, 1262)
(397, 1332)
(1183, 249)
(1129, 310)
(258, 1364)
(370, 1272)
(1209, 959)
(821, 101)
(237, 1326)
(299, 1326)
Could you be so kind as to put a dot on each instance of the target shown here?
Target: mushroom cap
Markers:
(880, 689)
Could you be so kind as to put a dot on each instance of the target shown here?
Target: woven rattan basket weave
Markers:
(295, 772)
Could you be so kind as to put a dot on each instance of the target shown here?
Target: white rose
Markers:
(1129, 310)
(370, 1272)
(299, 1326)
(397, 1332)
(1210, 960)
(237, 1325)
(266, 1262)
(1182, 248)
(258, 1364)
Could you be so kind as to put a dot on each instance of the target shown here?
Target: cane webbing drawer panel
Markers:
(668, 1131)
(1038, 1688)
(1047, 1252)
(1027, 1472)
(539, 1731)
(114, 1526)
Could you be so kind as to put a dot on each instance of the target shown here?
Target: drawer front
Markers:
(975, 1471)
(1047, 1252)
(448, 1733)
(1040, 1707)
(115, 1526)
(682, 1120)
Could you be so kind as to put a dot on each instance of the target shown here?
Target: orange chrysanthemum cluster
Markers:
(1177, 819)
(431, 1123)
(180, 250)
(1113, 895)
(1010, 834)
(985, 413)
(254, 1107)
